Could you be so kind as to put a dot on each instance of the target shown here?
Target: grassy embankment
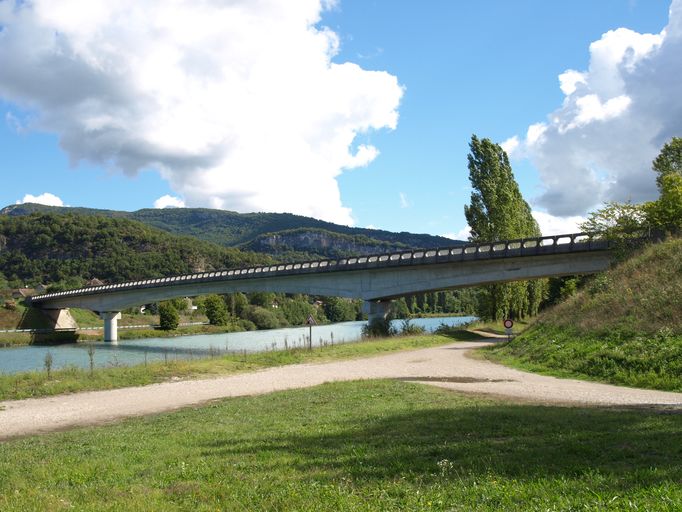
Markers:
(624, 327)
(69, 380)
(360, 446)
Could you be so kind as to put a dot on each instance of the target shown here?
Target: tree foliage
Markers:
(215, 310)
(620, 221)
(666, 213)
(668, 161)
(52, 248)
(169, 318)
(616, 220)
(337, 309)
(498, 212)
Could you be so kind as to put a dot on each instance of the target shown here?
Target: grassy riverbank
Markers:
(624, 327)
(371, 445)
(70, 380)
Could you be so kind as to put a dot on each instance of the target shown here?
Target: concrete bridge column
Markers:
(110, 325)
(376, 309)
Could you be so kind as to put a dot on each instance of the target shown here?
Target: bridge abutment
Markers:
(60, 318)
(111, 319)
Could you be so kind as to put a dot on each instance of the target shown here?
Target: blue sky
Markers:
(486, 67)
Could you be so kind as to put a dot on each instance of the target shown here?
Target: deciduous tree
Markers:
(498, 212)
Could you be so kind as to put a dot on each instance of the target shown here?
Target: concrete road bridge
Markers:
(377, 279)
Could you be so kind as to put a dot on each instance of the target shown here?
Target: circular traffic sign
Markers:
(508, 323)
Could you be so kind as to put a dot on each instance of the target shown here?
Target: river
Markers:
(132, 352)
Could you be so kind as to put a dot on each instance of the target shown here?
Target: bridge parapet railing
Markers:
(576, 242)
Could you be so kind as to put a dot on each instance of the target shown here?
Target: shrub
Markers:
(378, 328)
(262, 318)
(169, 319)
(216, 310)
(408, 328)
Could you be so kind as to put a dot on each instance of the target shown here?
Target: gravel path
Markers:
(446, 366)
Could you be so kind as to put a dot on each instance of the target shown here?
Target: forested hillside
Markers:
(231, 229)
(50, 248)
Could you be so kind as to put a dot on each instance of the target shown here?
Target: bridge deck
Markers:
(549, 245)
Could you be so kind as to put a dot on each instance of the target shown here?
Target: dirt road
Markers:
(446, 366)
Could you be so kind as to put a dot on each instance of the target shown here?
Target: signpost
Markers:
(310, 321)
(508, 324)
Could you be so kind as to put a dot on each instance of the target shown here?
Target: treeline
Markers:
(264, 310)
(69, 249)
(261, 310)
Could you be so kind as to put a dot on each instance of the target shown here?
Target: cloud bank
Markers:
(616, 115)
(168, 201)
(237, 104)
(45, 198)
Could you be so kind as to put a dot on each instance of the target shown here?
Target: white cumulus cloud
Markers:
(237, 104)
(551, 225)
(462, 234)
(45, 198)
(169, 201)
(616, 115)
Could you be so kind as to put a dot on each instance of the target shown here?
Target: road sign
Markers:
(311, 320)
(508, 324)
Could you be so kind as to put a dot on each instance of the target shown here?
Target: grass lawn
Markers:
(372, 445)
(70, 380)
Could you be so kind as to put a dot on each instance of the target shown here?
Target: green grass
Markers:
(641, 295)
(70, 380)
(644, 361)
(85, 317)
(361, 446)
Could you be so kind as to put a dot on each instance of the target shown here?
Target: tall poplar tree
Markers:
(499, 212)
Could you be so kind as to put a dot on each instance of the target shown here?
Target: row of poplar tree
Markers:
(499, 212)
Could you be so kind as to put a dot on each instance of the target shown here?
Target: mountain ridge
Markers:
(259, 231)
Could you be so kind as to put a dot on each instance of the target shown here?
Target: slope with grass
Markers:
(624, 326)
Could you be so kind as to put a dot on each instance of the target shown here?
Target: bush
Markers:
(409, 329)
(378, 328)
(262, 318)
(169, 319)
(216, 310)
(339, 310)
(246, 325)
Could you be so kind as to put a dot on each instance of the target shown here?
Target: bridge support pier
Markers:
(110, 325)
(376, 310)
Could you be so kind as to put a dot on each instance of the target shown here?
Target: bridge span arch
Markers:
(377, 279)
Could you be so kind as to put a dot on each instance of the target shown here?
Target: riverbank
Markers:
(70, 380)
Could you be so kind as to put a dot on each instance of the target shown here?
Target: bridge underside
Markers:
(371, 284)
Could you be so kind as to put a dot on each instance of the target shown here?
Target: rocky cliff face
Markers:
(320, 243)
